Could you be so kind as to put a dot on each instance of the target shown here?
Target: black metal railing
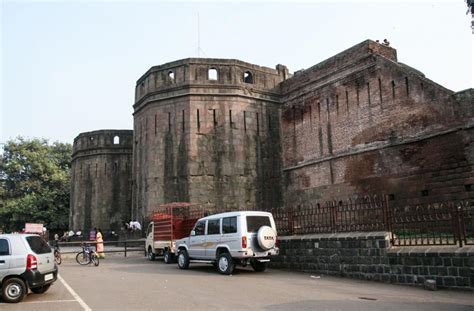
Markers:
(125, 246)
(443, 223)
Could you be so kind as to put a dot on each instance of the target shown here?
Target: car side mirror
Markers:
(193, 232)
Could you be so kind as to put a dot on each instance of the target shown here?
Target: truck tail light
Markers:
(31, 263)
(244, 242)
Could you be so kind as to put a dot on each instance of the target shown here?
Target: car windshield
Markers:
(255, 222)
(38, 245)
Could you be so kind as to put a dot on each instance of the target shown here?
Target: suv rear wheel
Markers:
(183, 259)
(258, 266)
(225, 264)
(13, 290)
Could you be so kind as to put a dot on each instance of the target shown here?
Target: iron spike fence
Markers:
(444, 223)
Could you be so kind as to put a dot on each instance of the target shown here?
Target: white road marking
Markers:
(75, 295)
(48, 301)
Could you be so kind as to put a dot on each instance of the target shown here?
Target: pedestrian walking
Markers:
(99, 243)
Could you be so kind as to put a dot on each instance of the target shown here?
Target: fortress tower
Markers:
(232, 135)
(101, 183)
(207, 131)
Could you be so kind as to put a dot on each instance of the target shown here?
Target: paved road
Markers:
(134, 283)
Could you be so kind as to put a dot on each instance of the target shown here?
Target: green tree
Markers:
(34, 184)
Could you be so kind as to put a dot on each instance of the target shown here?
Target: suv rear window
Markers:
(255, 222)
(38, 245)
(4, 249)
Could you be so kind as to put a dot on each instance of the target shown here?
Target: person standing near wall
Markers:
(99, 243)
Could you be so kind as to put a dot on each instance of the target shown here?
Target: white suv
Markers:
(26, 261)
(230, 238)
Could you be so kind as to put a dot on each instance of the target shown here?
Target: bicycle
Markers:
(87, 256)
(57, 255)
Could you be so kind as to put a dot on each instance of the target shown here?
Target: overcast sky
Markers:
(71, 67)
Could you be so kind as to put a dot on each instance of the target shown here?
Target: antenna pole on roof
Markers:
(199, 50)
(199, 37)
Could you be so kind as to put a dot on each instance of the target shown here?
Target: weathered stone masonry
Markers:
(368, 256)
(362, 122)
(101, 180)
(232, 135)
(207, 131)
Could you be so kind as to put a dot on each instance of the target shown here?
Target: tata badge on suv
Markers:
(26, 262)
(229, 239)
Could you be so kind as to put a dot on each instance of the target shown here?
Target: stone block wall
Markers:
(369, 256)
(101, 187)
(362, 122)
(207, 131)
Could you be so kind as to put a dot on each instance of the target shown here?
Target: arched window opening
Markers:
(212, 74)
(248, 78)
(116, 140)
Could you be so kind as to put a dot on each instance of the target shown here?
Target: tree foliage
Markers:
(34, 184)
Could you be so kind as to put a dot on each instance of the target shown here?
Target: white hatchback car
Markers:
(26, 262)
(227, 239)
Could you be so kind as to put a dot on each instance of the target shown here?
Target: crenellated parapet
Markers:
(102, 141)
(209, 76)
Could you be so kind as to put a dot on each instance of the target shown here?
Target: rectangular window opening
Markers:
(368, 93)
(258, 124)
(198, 120)
(182, 120)
(245, 121)
(380, 90)
(319, 112)
(169, 121)
(214, 117)
(357, 93)
(347, 101)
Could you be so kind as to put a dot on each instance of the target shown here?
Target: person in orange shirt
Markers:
(100, 243)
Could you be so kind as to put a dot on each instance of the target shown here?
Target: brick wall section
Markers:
(368, 256)
(362, 122)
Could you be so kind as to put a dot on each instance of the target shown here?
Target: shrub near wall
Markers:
(369, 256)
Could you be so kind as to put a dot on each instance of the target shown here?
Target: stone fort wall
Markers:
(362, 122)
(232, 135)
(207, 131)
(101, 180)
